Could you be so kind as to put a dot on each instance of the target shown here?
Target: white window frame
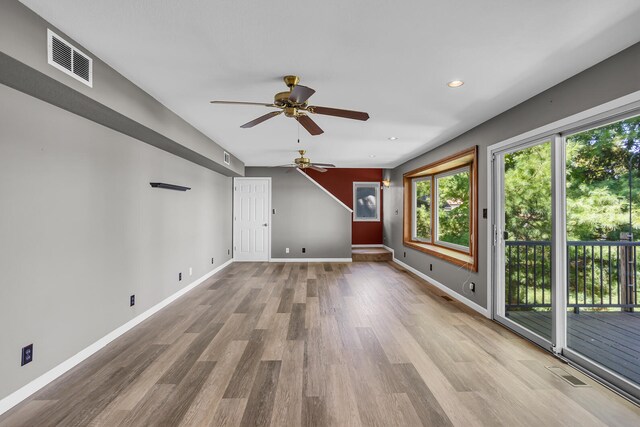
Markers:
(376, 187)
(414, 200)
(436, 199)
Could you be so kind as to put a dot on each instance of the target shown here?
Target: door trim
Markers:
(233, 214)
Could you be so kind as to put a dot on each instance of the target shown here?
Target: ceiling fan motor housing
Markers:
(303, 162)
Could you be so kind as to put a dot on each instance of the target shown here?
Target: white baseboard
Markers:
(393, 253)
(310, 260)
(18, 396)
(443, 288)
(368, 246)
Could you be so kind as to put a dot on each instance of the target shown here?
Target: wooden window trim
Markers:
(466, 158)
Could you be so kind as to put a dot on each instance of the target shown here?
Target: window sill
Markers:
(450, 255)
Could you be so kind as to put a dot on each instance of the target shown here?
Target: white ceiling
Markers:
(389, 58)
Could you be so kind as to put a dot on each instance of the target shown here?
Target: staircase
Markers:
(371, 254)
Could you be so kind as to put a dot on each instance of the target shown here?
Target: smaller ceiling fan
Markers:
(303, 162)
(293, 103)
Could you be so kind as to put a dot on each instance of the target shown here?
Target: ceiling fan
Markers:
(293, 103)
(303, 162)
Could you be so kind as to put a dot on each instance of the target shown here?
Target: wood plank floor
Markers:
(362, 344)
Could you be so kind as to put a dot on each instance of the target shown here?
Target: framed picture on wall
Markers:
(366, 201)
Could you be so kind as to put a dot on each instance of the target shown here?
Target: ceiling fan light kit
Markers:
(293, 103)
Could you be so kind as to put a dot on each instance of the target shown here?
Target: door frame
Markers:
(593, 117)
(497, 252)
(233, 215)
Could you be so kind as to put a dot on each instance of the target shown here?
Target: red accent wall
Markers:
(339, 182)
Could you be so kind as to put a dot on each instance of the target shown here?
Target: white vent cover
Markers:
(68, 59)
(227, 158)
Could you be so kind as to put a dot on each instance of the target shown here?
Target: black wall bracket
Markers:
(169, 186)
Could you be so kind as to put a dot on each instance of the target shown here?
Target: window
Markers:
(453, 189)
(440, 216)
(366, 197)
(422, 209)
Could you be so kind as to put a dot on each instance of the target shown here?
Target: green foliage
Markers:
(597, 185)
(527, 187)
(453, 219)
(423, 214)
(597, 181)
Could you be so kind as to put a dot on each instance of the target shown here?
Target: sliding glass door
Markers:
(603, 222)
(566, 216)
(523, 239)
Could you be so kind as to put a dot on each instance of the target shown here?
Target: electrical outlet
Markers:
(396, 211)
(304, 250)
(484, 213)
(228, 251)
(27, 355)
(286, 250)
(179, 277)
(472, 287)
(211, 260)
(190, 271)
(132, 300)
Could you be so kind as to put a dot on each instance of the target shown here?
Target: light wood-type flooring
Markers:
(319, 344)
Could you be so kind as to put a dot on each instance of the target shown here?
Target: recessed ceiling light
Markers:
(372, 155)
(455, 83)
(392, 138)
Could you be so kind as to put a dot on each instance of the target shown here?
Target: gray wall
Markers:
(23, 36)
(306, 217)
(608, 80)
(82, 230)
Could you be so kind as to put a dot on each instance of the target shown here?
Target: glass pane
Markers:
(366, 202)
(527, 238)
(603, 220)
(423, 210)
(453, 209)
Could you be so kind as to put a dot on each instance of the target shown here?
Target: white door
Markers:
(251, 220)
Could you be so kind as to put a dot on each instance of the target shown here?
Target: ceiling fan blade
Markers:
(309, 125)
(347, 114)
(316, 168)
(242, 103)
(300, 94)
(261, 119)
(325, 165)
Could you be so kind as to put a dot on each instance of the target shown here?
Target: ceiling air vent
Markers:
(227, 158)
(68, 59)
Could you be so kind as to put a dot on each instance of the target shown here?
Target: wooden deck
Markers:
(611, 339)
